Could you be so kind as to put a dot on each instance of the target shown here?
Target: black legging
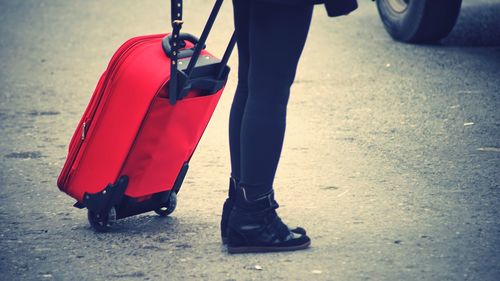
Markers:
(270, 40)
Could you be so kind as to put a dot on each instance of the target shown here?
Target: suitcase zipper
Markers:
(117, 60)
(83, 130)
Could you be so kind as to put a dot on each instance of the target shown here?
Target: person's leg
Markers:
(277, 37)
(241, 10)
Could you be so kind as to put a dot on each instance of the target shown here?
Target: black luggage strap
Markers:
(203, 38)
(176, 10)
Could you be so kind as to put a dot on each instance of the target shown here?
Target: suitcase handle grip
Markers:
(184, 53)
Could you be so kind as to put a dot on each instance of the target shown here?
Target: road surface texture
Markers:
(391, 160)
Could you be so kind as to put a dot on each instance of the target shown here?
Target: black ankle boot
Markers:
(228, 206)
(226, 209)
(254, 226)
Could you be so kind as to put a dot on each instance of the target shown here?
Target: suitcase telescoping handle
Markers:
(173, 44)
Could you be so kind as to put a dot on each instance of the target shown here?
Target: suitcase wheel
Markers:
(102, 223)
(169, 207)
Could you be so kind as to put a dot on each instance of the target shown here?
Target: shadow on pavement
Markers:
(145, 224)
(477, 26)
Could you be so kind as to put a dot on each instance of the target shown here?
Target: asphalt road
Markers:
(391, 159)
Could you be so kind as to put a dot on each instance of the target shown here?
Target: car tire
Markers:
(419, 21)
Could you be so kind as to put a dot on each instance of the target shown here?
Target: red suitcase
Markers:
(131, 149)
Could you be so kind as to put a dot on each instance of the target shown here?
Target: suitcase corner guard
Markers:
(101, 202)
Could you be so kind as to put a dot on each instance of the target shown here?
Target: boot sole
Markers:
(295, 230)
(263, 249)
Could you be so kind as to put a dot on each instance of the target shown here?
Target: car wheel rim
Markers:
(398, 6)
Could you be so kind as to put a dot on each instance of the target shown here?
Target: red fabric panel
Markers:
(125, 100)
(166, 140)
